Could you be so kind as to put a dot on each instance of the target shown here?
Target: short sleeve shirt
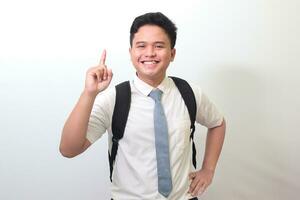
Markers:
(135, 172)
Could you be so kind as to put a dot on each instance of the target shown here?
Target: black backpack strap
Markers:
(190, 101)
(119, 119)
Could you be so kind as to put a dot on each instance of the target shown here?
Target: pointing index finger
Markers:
(103, 58)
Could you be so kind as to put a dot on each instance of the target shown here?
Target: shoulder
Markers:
(198, 92)
(195, 88)
(109, 95)
(106, 97)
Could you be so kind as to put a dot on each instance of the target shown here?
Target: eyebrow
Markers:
(143, 42)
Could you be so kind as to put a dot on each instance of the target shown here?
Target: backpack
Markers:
(121, 110)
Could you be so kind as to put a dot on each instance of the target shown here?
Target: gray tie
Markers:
(161, 145)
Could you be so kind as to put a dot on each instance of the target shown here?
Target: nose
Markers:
(150, 51)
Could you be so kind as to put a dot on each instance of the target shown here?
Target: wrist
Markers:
(89, 94)
(208, 168)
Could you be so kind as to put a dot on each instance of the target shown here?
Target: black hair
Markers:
(158, 19)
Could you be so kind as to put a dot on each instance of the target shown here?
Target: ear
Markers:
(173, 53)
(130, 51)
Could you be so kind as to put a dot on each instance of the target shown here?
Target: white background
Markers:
(243, 53)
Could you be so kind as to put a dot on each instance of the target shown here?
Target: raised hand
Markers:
(98, 78)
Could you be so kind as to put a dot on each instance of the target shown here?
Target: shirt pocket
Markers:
(181, 131)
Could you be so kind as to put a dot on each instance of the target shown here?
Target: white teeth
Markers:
(150, 62)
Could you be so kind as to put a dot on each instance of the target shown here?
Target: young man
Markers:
(135, 173)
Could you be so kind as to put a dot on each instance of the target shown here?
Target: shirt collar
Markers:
(145, 88)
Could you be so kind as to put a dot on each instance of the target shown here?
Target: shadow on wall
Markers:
(255, 158)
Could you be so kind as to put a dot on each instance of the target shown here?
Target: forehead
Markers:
(151, 33)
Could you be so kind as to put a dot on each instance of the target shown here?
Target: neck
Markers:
(153, 82)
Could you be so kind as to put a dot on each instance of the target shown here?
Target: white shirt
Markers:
(135, 173)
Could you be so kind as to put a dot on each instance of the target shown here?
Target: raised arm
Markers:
(73, 138)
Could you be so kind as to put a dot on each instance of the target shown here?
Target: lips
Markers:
(149, 62)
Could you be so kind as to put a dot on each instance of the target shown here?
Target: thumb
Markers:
(109, 73)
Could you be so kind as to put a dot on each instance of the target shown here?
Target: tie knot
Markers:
(156, 94)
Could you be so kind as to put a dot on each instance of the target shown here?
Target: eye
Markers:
(159, 46)
(140, 46)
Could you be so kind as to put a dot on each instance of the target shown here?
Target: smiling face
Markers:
(151, 54)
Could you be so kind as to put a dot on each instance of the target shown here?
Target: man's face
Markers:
(151, 53)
